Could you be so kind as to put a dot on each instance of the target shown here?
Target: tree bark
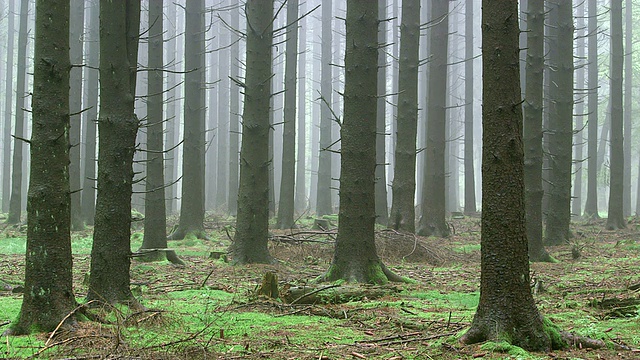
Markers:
(8, 100)
(382, 208)
(222, 171)
(301, 203)
(591, 203)
(628, 108)
(506, 309)
(469, 170)
(323, 198)
(579, 138)
(234, 119)
(76, 42)
(252, 224)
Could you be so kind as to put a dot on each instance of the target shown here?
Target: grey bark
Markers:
(628, 109)
(469, 169)
(591, 203)
(382, 208)
(323, 198)
(301, 193)
(76, 42)
(8, 100)
(234, 118)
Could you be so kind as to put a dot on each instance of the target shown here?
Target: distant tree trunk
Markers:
(561, 128)
(234, 119)
(315, 119)
(355, 258)
(48, 297)
(8, 100)
(117, 126)
(533, 130)
(173, 116)
(324, 199)
(287, 183)
(76, 41)
(222, 172)
(576, 206)
(628, 109)
(615, 218)
(404, 184)
(155, 219)
(91, 115)
(193, 168)
(212, 134)
(506, 309)
(301, 171)
(469, 171)
(591, 203)
(382, 208)
(433, 219)
(252, 224)
(15, 203)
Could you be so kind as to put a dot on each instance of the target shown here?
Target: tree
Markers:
(117, 126)
(76, 42)
(578, 142)
(628, 109)
(323, 198)
(222, 169)
(173, 103)
(8, 96)
(48, 297)
(355, 258)
(433, 219)
(252, 224)
(404, 183)
(533, 130)
(469, 171)
(15, 203)
(300, 196)
(287, 183)
(615, 218)
(591, 204)
(506, 309)
(560, 127)
(234, 119)
(382, 209)
(193, 168)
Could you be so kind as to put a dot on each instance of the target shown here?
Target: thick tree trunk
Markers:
(252, 225)
(48, 295)
(560, 128)
(324, 202)
(76, 42)
(193, 168)
(404, 183)
(287, 183)
(433, 220)
(117, 125)
(469, 170)
(591, 203)
(355, 258)
(615, 217)
(506, 309)
(8, 100)
(382, 208)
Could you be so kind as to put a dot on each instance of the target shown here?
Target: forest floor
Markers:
(208, 309)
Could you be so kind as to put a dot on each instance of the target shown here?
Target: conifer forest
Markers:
(319, 179)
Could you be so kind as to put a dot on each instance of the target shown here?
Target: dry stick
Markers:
(65, 319)
(392, 337)
(313, 292)
(404, 341)
(296, 311)
(66, 341)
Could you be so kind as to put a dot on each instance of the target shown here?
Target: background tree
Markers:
(533, 130)
(591, 203)
(8, 99)
(117, 126)
(579, 95)
(287, 183)
(193, 167)
(628, 109)
(48, 297)
(355, 258)
(76, 42)
(224, 85)
(404, 183)
(433, 218)
(469, 171)
(615, 217)
(301, 163)
(234, 119)
(560, 126)
(252, 224)
(15, 203)
(382, 208)
(506, 309)
(323, 198)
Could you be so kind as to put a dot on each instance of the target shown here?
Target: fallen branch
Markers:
(421, 338)
(582, 342)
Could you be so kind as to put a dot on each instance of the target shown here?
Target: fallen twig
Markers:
(313, 292)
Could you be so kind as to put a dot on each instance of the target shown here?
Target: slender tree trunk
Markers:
(8, 100)
(91, 115)
(76, 41)
(252, 225)
(117, 126)
(15, 203)
(48, 297)
(591, 204)
(615, 218)
(382, 208)
(404, 183)
(287, 183)
(193, 168)
(578, 142)
(433, 219)
(533, 131)
(506, 309)
(234, 119)
(628, 108)
(301, 194)
(222, 173)
(323, 198)
(469, 171)
(212, 135)
(560, 128)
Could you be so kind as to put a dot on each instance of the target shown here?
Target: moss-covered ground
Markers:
(207, 308)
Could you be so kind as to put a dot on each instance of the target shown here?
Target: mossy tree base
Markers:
(373, 272)
(151, 255)
(529, 335)
(182, 233)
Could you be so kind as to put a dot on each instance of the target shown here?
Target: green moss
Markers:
(507, 348)
(554, 334)
(375, 274)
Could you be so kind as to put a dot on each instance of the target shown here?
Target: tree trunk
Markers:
(404, 184)
(8, 100)
(615, 218)
(506, 309)
(433, 220)
(469, 171)
(628, 109)
(173, 116)
(323, 198)
(91, 116)
(222, 172)
(15, 203)
(117, 126)
(287, 183)
(301, 203)
(560, 127)
(48, 295)
(533, 131)
(234, 119)
(355, 258)
(382, 208)
(252, 224)
(76, 42)
(193, 168)
(579, 138)
(591, 203)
